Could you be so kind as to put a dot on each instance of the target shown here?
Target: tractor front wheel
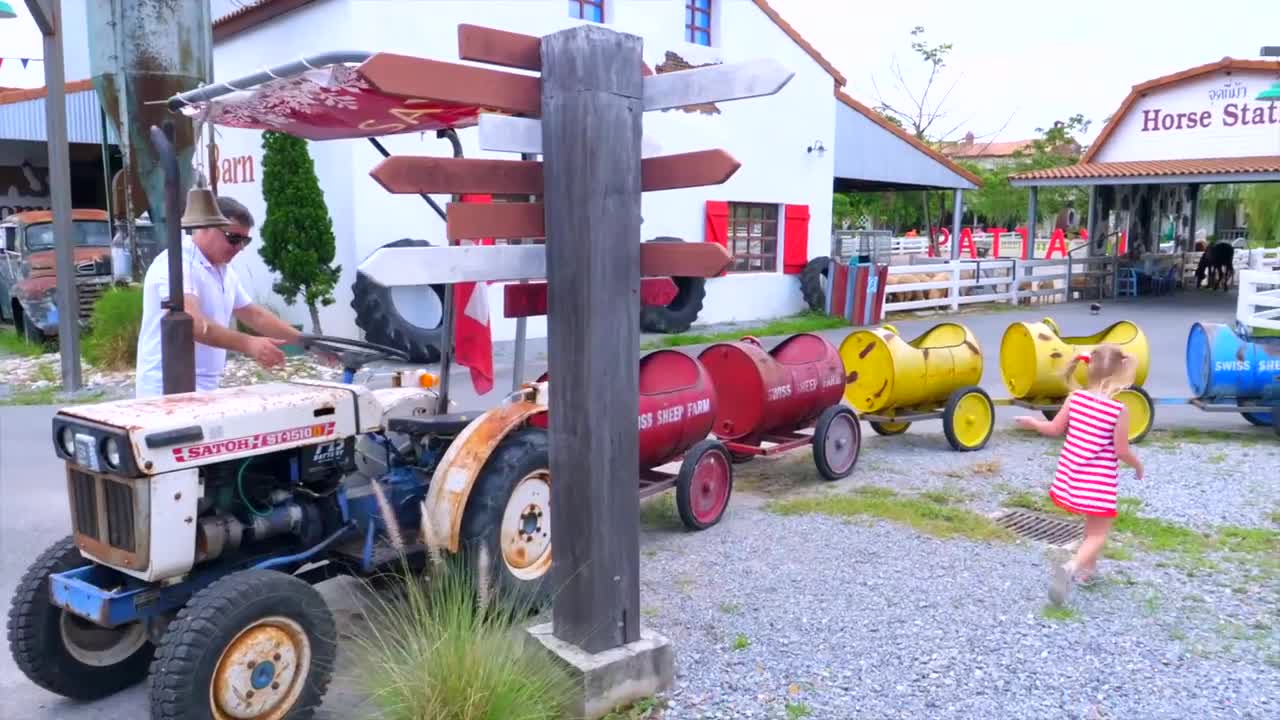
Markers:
(506, 528)
(254, 644)
(65, 654)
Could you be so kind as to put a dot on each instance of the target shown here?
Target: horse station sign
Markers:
(1212, 116)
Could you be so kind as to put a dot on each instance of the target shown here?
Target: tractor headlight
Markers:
(111, 453)
(67, 439)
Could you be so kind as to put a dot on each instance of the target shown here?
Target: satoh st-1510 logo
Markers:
(251, 442)
(675, 413)
(1246, 366)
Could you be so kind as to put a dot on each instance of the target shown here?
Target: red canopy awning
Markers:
(328, 104)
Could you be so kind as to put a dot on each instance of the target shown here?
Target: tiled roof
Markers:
(984, 149)
(1141, 89)
(1145, 168)
(15, 96)
(248, 16)
(878, 119)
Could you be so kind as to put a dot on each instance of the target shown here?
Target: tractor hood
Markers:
(89, 261)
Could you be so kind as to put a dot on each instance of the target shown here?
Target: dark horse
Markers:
(1217, 264)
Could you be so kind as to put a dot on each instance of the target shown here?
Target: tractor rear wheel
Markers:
(814, 283)
(254, 644)
(678, 315)
(63, 653)
(506, 527)
(408, 318)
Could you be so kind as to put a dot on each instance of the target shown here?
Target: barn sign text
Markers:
(233, 170)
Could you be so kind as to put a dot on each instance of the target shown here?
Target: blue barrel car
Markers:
(1225, 368)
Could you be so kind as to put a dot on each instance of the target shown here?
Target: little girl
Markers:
(1097, 428)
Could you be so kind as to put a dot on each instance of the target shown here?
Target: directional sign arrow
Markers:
(413, 266)
(404, 174)
(715, 83)
(530, 299)
(506, 133)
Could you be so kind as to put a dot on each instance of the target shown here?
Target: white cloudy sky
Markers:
(1016, 64)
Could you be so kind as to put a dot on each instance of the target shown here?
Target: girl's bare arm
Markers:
(1051, 428)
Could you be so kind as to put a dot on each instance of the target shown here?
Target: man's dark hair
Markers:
(235, 211)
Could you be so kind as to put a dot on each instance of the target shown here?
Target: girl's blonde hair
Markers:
(1110, 370)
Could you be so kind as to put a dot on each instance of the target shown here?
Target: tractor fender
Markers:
(457, 471)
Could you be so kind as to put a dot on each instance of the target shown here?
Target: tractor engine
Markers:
(284, 493)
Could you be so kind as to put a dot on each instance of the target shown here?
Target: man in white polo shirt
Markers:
(213, 295)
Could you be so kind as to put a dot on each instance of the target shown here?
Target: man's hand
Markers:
(265, 350)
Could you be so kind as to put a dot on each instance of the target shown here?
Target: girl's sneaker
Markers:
(1060, 584)
(1086, 581)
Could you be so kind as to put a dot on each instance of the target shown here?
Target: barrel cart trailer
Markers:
(895, 382)
(1232, 370)
(200, 521)
(783, 399)
(1034, 358)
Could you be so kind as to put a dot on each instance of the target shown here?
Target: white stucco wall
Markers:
(769, 136)
(1212, 116)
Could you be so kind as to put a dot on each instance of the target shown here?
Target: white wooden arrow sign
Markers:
(715, 83)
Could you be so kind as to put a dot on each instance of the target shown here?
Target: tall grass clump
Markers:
(112, 343)
(446, 649)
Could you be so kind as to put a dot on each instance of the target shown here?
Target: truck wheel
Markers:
(814, 282)
(63, 653)
(398, 317)
(254, 644)
(704, 485)
(506, 527)
(679, 314)
(837, 441)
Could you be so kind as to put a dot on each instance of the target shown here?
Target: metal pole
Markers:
(955, 225)
(446, 325)
(177, 327)
(517, 370)
(106, 172)
(1091, 221)
(60, 196)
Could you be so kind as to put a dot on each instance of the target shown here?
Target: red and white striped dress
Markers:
(1088, 468)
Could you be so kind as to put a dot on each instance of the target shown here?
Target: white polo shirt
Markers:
(220, 293)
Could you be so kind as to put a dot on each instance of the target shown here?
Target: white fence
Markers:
(949, 285)
(1258, 304)
(880, 244)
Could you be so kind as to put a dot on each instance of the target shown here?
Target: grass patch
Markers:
(434, 652)
(804, 322)
(729, 608)
(644, 709)
(1216, 458)
(773, 477)
(1274, 517)
(50, 396)
(741, 642)
(1112, 551)
(922, 514)
(1038, 503)
(46, 373)
(12, 344)
(1058, 613)
(797, 710)
(659, 512)
(1173, 438)
(944, 496)
(112, 343)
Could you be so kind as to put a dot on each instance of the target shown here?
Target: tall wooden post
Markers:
(592, 100)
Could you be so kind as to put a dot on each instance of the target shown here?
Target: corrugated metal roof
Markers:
(22, 118)
(1145, 168)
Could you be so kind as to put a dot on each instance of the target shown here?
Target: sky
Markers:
(1015, 65)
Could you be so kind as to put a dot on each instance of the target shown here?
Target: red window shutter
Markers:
(717, 227)
(795, 241)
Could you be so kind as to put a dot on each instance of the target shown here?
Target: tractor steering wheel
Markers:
(354, 354)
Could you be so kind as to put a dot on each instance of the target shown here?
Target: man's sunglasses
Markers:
(236, 239)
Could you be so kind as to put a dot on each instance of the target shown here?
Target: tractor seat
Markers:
(447, 424)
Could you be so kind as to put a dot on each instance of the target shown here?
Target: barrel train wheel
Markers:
(704, 485)
(1261, 419)
(1141, 411)
(969, 419)
(837, 441)
(889, 428)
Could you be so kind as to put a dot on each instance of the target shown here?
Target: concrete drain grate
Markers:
(1041, 528)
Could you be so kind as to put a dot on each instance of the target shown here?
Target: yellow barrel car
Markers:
(893, 382)
(1033, 363)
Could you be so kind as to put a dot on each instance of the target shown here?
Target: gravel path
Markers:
(774, 616)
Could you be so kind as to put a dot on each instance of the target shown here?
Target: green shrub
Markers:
(112, 342)
(433, 653)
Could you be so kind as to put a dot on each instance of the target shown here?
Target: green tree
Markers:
(1262, 212)
(297, 234)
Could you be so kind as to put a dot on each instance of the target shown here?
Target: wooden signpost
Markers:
(583, 115)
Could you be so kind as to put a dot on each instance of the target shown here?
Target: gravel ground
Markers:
(793, 616)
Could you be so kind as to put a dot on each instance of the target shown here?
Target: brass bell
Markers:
(202, 208)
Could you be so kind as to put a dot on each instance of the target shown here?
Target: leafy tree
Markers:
(297, 234)
(1262, 210)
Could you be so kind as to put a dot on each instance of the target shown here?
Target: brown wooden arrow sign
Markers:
(530, 299)
(407, 174)
(415, 77)
(473, 221)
